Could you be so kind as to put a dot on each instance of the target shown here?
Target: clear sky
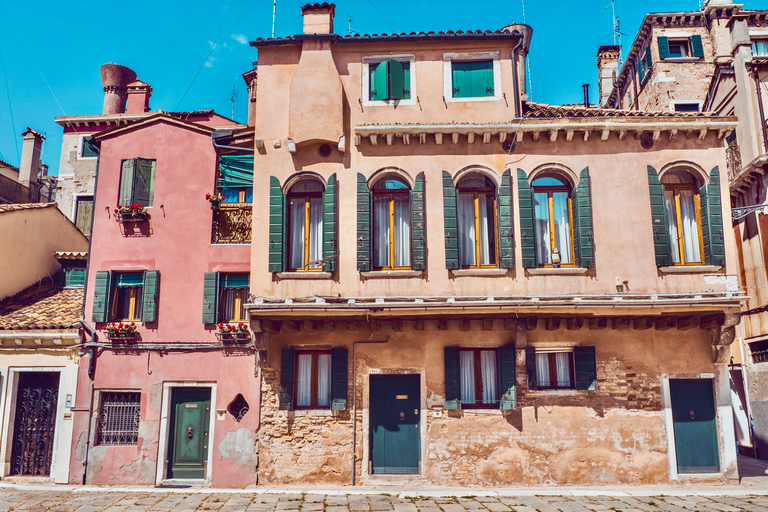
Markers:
(193, 52)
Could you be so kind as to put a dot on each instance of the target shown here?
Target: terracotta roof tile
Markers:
(542, 110)
(49, 309)
(24, 206)
(402, 36)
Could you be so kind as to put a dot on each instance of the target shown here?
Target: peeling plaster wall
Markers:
(76, 175)
(613, 435)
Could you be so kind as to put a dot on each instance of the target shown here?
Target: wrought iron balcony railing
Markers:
(232, 223)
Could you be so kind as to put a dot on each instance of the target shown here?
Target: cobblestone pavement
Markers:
(140, 501)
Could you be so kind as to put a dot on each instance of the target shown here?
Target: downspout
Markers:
(762, 112)
(354, 399)
(516, 84)
(634, 83)
(86, 326)
(221, 133)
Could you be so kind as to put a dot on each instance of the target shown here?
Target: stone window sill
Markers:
(391, 274)
(479, 272)
(690, 269)
(304, 275)
(562, 271)
(556, 392)
(308, 413)
(482, 412)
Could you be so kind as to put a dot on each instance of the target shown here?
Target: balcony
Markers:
(232, 223)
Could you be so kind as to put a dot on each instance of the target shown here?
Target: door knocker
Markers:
(190, 432)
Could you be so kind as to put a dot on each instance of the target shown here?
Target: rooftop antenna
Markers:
(274, 10)
(349, 20)
(617, 33)
(234, 95)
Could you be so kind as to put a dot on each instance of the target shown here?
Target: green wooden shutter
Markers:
(481, 76)
(640, 71)
(339, 359)
(418, 225)
(144, 182)
(101, 292)
(276, 225)
(585, 367)
(658, 218)
(286, 379)
(505, 358)
(125, 197)
(451, 221)
(452, 382)
(506, 223)
(582, 221)
(530, 367)
(697, 49)
(462, 79)
(648, 59)
(712, 220)
(151, 285)
(330, 234)
(363, 224)
(378, 74)
(399, 80)
(663, 43)
(527, 225)
(210, 297)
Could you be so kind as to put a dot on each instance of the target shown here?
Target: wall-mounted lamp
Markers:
(556, 258)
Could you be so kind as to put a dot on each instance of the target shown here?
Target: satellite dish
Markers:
(508, 146)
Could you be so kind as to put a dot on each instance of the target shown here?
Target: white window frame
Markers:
(80, 140)
(685, 102)
(366, 94)
(448, 59)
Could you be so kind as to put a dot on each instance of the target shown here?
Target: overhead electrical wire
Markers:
(10, 108)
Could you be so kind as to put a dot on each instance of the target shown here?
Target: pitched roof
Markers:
(457, 35)
(24, 206)
(3, 163)
(49, 309)
(544, 111)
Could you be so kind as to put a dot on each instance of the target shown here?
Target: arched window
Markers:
(553, 218)
(477, 222)
(305, 225)
(391, 224)
(683, 209)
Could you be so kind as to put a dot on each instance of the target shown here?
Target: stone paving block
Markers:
(454, 507)
(405, 507)
(333, 501)
(496, 506)
(472, 504)
(357, 504)
(644, 503)
(537, 503)
(114, 508)
(336, 508)
(312, 506)
(314, 498)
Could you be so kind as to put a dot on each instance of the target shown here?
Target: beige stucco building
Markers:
(452, 285)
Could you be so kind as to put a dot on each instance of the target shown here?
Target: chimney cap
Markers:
(33, 132)
(319, 6)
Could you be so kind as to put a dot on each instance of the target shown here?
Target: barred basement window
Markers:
(119, 418)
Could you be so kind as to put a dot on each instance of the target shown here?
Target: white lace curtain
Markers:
(488, 376)
(381, 230)
(298, 232)
(304, 387)
(467, 235)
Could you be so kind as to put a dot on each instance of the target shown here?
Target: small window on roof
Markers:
(687, 107)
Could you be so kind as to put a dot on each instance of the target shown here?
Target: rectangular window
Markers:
(237, 194)
(554, 370)
(759, 350)
(233, 293)
(760, 48)
(85, 150)
(83, 214)
(389, 80)
(472, 79)
(687, 107)
(74, 277)
(137, 182)
(128, 296)
(313, 380)
(119, 415)
(479, 378)
(678, 48)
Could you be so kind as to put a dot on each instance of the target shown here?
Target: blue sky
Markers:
(51, 51)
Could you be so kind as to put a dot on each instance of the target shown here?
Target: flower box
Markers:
(121, 335)
(131, 217)
(233, 337)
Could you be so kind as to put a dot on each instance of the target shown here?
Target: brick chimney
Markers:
(318, 18)
(607, 70)
(114, 79)
(138, 97)
(29, 168)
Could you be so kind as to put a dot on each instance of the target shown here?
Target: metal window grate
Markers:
(759, 350)
(119, 418)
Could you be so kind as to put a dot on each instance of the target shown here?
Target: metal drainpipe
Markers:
(633, 67)
(87, 327)
(516, 85)
(762, 112)
(354, 399)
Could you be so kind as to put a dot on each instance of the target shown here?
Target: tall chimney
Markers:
(29, 168)
(607, 71)
(250, 78)
(115, 79)
(318, 18)
(138, 97)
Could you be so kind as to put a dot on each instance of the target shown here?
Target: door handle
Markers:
(190, 432)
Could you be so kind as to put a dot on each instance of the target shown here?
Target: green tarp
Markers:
(235, 171)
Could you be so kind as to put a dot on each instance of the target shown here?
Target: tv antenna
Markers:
(617, 33)
(232, 98)
(349, 20)
(274, 10)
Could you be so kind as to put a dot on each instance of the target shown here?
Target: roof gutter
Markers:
(218, 134)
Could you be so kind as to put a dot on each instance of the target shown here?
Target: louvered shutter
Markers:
(363, 224)
(658, 218)
(585, 367)
(418, 225)
(697, 48)
(527, 224)
(663, 43)
(583, 232)
(399, 80)
(144, 182)
(462, 79)
(276, 225)
(339, 357)
(451, 223)
(481, 74)
(287, 356)
(151, 286)
(648, 58)
(530, 367)
(101, 293)
(712, 220)
(505, 357)
(210, 297)
(452, 386)
(640, 71)
(126, 183)
(378, 75)
(506, 223)
(330, 232)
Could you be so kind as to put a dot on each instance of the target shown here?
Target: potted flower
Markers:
(234, 332)
(132, 213)
(215, 200)
(121, 331)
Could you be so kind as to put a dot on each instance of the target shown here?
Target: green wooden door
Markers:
(395, 425)
(188, 432)
(695, 425)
